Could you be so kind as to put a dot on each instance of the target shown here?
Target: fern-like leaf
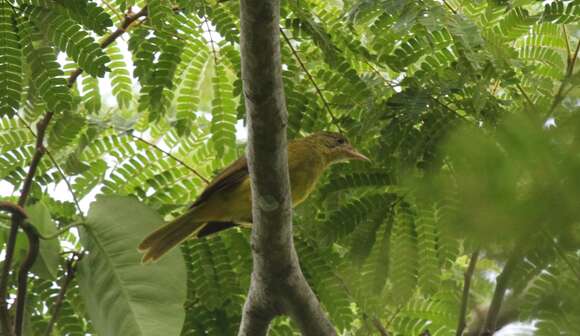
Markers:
(404, 257)
(51, 84)
(120, 77)
(10, 62)
(223, 113)
(88, 14)
(70, 38)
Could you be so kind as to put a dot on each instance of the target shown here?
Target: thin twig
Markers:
(60, 171)
(573, 59)
(495, 87)
(569, 72)
(113, 10)
(67, 182)
(397, 311)
(71, 267)
(567, 41)
(567, 260)
(318, 91)
(453, 10)
(62, 230)
(380, 328)
(171, 156)
(129, 19)
(376, 322)
(502, 281)
(561, 253)
(467, 276)
(530, 102)
(391, 83)
(211, 41)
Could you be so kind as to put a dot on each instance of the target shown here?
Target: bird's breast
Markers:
(303, 178)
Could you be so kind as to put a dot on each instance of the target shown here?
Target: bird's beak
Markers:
(353, 154)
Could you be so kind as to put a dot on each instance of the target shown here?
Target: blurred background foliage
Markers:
(468, 109)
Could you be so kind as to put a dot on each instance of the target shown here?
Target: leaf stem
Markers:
(311, 79)
(453, 10)
(467, 277)
(171, 156)
(211, 41)
(561, 253)
(569, 72)
(71, 267)
(380, 328)
(57, 166)
(530, 102)
(62, 230)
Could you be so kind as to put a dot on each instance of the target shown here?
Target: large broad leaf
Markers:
(47, 262)
(123, 296)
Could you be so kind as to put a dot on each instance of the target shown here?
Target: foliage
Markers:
(117, 294)
(449, 99)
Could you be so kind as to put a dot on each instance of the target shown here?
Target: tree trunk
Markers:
(278, 285)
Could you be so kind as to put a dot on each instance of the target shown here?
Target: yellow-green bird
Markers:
(226, 201)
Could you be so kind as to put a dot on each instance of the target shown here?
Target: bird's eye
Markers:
(341, 141)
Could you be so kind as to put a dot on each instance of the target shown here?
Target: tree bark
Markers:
(278, 285)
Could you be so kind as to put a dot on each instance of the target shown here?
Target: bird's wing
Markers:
(231, 176)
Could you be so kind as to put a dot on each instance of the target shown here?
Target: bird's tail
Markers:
(168, 236)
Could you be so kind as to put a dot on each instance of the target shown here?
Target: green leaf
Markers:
(10, 62)
(223, 112)
(123, 296)
(48, 76)
(120, 78)
(65, 130)
(89, 14)
(92, 95)
(159, 11)
(69, 37)
(46, 264)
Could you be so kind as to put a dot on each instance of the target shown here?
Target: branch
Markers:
(277, 285)
(318, 91)
(14, 209)
(465, 297)
(502, 280)
(33, 246)
(18, 221)
(71, 268)
(508, 314)
(571, 63)
(129, 19)
(382, 331)
(60, 171)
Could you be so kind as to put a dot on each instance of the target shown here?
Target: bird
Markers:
(226, 200)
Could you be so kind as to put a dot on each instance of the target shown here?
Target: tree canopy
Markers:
(467, 216)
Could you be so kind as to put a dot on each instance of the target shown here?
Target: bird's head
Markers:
(335, 147)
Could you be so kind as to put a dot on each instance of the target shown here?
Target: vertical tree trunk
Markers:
(278, 285)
